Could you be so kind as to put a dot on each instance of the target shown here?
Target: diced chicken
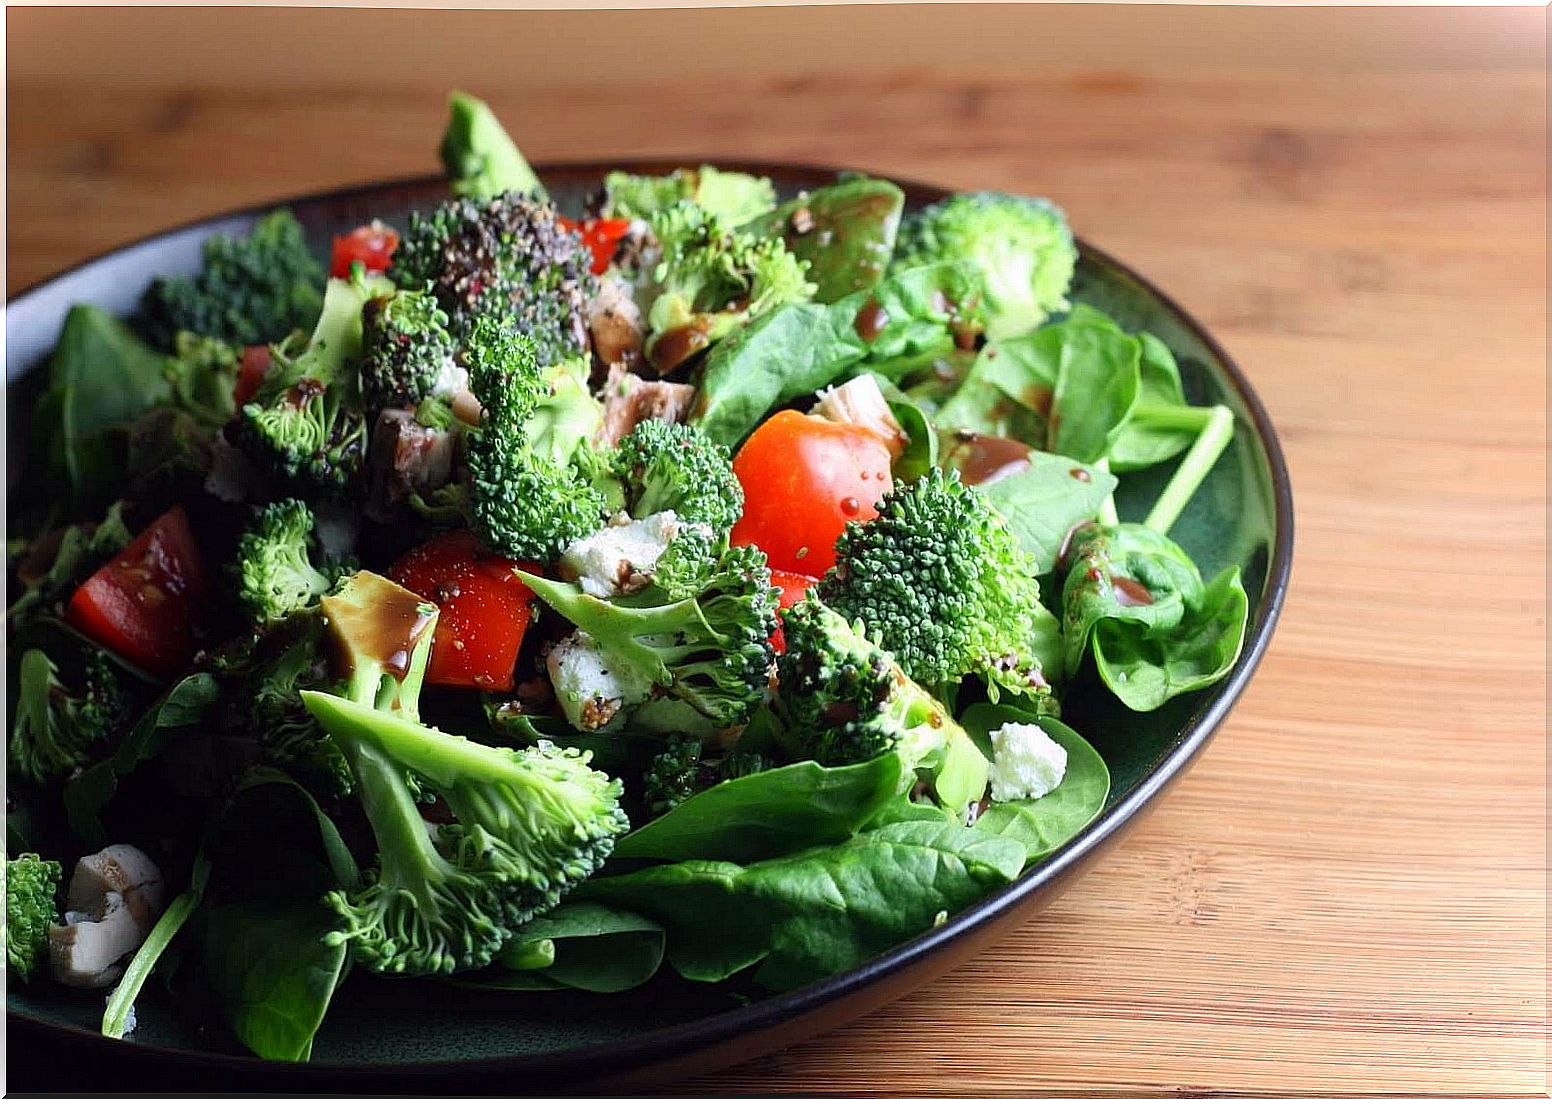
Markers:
(406, 457)
(614, 322)
(629, 399)
(114, 899)
(860, 401)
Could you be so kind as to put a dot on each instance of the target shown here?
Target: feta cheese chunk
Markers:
(620, 557)
(1026, 762)
(593, 689)
(861, 402)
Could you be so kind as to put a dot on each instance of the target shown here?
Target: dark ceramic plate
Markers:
(420, 1036)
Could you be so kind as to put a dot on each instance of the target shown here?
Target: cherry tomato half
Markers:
(602, 237)
(251, 369)
(142, 604)
(793, 587)
(804, 479)
(485, 609)
(372, 246)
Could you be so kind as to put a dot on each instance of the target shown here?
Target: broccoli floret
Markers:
(709, 650)
(566, 416)
(943, 584)
(307, 420)
(735, 197)
(56, 563)
(250, 290)
(405, 347)
(846, 700)
(276, 576)
(481, 159)
(289, 736)
(31, 886)
(711, 281)
(529, 825)
(1022, 246)
(508, 257)
(676, 467)
(203, 377)
(683, 770)
(54, 730)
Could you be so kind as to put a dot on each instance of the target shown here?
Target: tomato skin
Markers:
(144, 602)
(804, 479)
(485, 609)
(794, 586)
(601, 235)
(372, 246)
(251, 370)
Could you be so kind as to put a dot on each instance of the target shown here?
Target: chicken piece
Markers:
(630, 399)
(614, 322)
(860, 401)
(114, 899)
(405, 457)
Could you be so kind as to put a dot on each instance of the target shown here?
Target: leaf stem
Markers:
(116, 1016)
(1193, 469)
(1108, 516)
(1168, 416)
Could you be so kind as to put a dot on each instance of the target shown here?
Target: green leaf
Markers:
(1147, 667)
(1043, 824)
(185, 705)
(1125, 573)
(1044, 502)
(480, 157)
(845, 231)
(818, 912)
(1097, 382)
(1162, 423)
(769, 813)
(1006, 392)
(596, 949)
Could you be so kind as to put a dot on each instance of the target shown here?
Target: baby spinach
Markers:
(817, 912)
(845, 231)
(1136, 599)
(798, 348)
(1162, 424)
(1098, 377)
(1044, 502)
(1043, 824)
(769, 813)
(592, 947)
(1007, 391)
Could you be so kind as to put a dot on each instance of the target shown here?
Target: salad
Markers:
(535, 599)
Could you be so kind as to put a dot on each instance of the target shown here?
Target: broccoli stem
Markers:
(1107, 510)
(1193, 469)
(395, 818)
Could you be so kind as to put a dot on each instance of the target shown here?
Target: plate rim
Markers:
(667, 1044)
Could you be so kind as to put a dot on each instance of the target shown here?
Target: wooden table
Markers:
(1348, 891)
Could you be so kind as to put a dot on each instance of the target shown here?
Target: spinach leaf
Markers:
(845, 231)
(769, 813)
(1044, 502)
(1007, 392)
(261, 932)
(817, 912)
(1097, 381)
(101, 377)
(921, 448)
(1146, 668)
(187, 704)
(595, 949)
(1124, 573)
(796, 349)
(1162, 424)
(1043, 824)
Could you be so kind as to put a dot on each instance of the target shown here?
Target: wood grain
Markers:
(1348, 892)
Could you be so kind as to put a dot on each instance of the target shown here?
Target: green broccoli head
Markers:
(202, 374)
(711, 281)
(735, 197)
(708, 650)
(682, 770)
(480, 158)
(508, 257)
(54, 730)
(1023, 247)
(31, 889)
(405, 346)
(530, 825)
(249, 290)
(276, 576)
(846, 700)
(942, 583)
(290, 738)
(676, 467)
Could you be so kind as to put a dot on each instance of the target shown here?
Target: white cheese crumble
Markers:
(1026, 762)
(621, 556)
(593, 689)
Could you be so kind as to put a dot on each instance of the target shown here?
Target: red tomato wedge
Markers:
(143, 604)
(793, 587)
(372, 246)
(602, 237)
(804, 479)
(485, 609)
(252, 368)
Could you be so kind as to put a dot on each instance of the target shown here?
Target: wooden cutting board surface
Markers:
(1348, 892)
